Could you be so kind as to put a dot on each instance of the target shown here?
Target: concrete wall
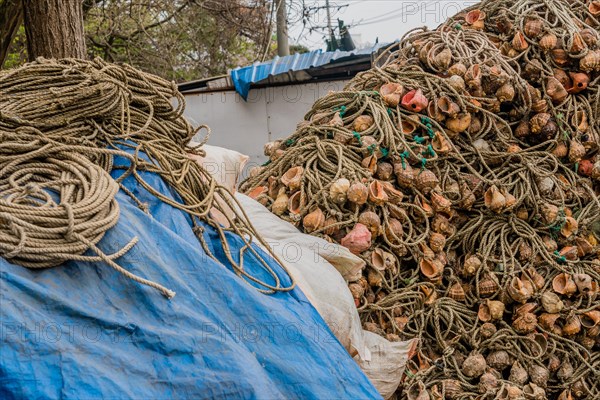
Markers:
(270, 113)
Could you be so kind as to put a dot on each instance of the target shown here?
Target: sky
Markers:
(369, 20)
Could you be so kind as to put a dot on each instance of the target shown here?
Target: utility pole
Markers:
(332, 40)
(283, 48)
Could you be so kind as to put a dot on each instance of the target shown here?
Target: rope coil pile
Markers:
(474, 197)
(62, 124)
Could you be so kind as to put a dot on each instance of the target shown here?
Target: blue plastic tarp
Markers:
(82, 330)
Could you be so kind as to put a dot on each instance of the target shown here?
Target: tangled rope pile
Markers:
(474, 198)
(62, 123)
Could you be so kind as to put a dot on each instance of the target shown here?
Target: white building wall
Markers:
(270, 113)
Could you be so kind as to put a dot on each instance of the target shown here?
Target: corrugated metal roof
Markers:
(244, 77)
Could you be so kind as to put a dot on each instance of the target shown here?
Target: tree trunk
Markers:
(54, 28)
(11, 15)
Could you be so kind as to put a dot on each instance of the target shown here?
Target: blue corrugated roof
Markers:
(244, 77)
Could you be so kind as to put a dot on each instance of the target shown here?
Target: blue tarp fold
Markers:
(82, 330)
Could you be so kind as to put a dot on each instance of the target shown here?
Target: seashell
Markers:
(565, 372)
(358, 193)
(338, 192)
(551, 303)
(394, 195)
(443, 60)
(369, 146)
(522, 130)
(504, 24)
(517, 290)
(461, 123)
(440, 144)
(474, 365)
(548, 41)
(576, 151)
(414, 101)
(549, 322)
(562, 77)
(584, 247)
(580, 81)
(452, 388)
(519, 43)
(391, 93)
(271, 147)
(336, 121)
(568, 252)
(280, 205)
(293, 178)
(499, 360)
(545, 185)
(555, 90)
(430, 295)
(456, 292)
(358, 239)
(577, 44)
(553, 363)
(533, 28)
(595, 174)
(320, 118)
(473, 76)
(505, 93)
(384, 171)
(418, 391)
(589, 36)
(476, 19)
(431, 269)
(456, 82)
(458, 69)
(448, 107)
(424, 52)
(471, 265)
(590, 319)
(487, 286)
(549, 213)
(374, 277)
(377, 195)
(372, 221)
(394, 231)
(536, 278)
(488, 383)
(296, 203)
(404, 174)
(363, 122)
(258, 191)
(572, 326)
(594, 8)
(494, 200)
(330, 226)
(579, 389)
(490, 310)
(585, 167)
(518, 374)
(590, 62)
(560, 57)
(539, 375)
(540, 106)
(357, 290)
(525, 323)
(531, 391)
(564, 284)
(525, 251)
(313, 220)
(487, 330)
(565, 395)
(583, 282)
(440, 203)
(509, 199)
(437, 241)
(425, 181)
(370, 163)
